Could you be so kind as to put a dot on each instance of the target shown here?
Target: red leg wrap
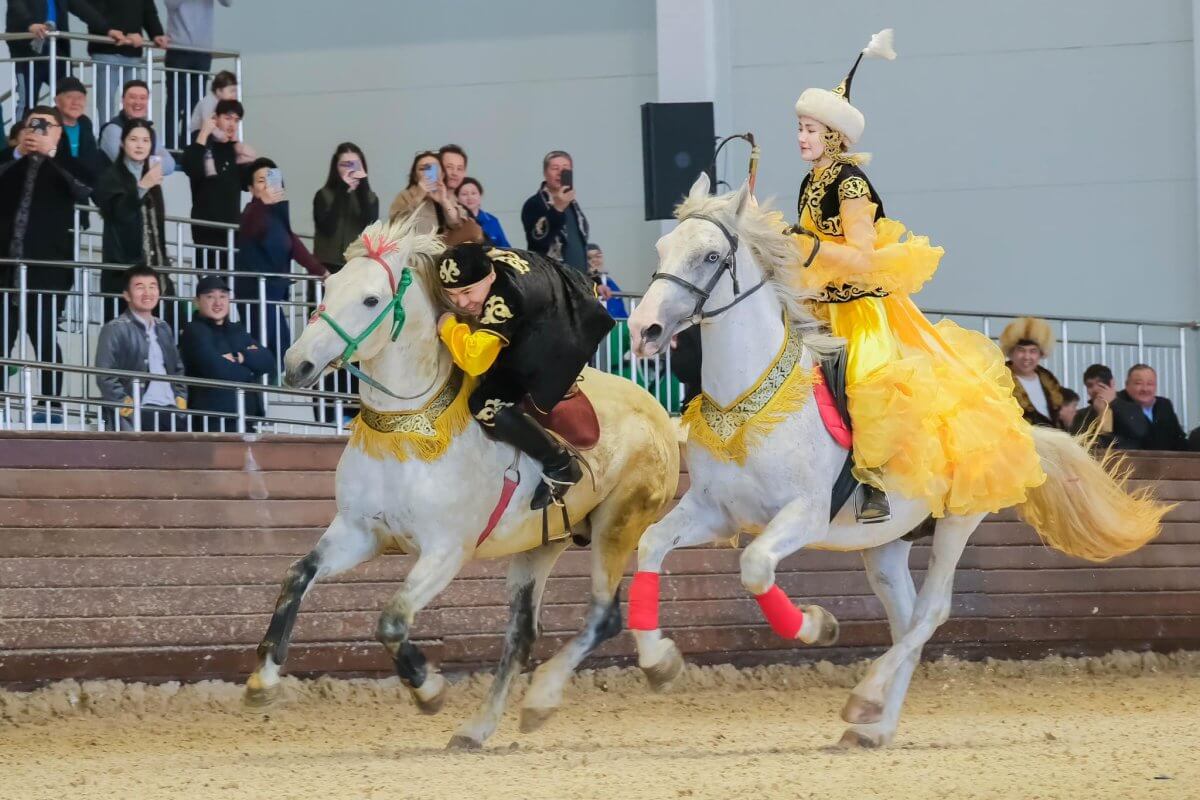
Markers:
(785, 619)
(643, 602)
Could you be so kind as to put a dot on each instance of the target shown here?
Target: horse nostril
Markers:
(306, 367)
(652, 332)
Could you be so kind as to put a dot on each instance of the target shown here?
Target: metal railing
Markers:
(174, 91)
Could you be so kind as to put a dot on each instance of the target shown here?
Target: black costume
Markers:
(540, 325)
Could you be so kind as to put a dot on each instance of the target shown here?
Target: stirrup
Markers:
(551, 489)
(873, 506)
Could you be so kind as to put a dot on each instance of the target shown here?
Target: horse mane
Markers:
(421, 250)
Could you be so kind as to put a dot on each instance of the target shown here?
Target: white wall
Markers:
(1049, 146)
(507, 81)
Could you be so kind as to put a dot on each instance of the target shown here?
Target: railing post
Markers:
(1103, 343)
(27, 395)
(53, 64)
(262, 314)
(23, 311)
(84, 317)
(241, 410)
(1183, 375)
(237, 70)
(229, 248)
(137, 404)
(150, 82)
(1141, 336)
(337, 415)
(1066, 351)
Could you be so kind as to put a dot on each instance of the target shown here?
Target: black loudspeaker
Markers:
(677, 145)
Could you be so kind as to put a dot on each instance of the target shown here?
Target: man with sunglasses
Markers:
(38, 191)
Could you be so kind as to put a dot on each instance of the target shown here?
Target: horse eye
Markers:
(712, 257)
(371, 302)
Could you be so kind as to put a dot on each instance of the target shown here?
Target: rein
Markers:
(394, 309)
(728, 264)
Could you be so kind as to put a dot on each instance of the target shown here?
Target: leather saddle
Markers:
(573, 418)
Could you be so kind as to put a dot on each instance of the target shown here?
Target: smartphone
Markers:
(275, 178)
(430, 171)
(567, 176)
(155, 161)
(351, 166)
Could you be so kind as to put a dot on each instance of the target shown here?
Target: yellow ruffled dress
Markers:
(933, 404)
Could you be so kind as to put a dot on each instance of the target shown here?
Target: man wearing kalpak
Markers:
(529, 326)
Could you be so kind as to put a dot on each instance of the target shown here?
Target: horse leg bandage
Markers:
(785, 619)
(643, 602)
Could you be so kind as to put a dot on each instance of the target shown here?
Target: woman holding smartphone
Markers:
(438, 209)
(129, 195)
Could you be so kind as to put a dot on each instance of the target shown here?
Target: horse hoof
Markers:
(668, 668)
(534, 718)
(460, 742)
(827, 626)
(432, 704)
(259, 696)
(853, 740)
(861, 711)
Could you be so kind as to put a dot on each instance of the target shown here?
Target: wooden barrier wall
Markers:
(159, 557)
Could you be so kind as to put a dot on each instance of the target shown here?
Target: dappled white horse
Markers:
(420, 475)
(759, 345)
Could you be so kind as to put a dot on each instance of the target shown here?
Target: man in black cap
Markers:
(70, 98)
(532, 326)
(213, 346)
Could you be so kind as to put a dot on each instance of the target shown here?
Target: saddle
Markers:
(573, 418)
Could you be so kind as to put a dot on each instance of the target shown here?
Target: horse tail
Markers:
(1084, 508)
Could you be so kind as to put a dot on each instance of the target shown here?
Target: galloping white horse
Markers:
(420, 475)
(781, 491)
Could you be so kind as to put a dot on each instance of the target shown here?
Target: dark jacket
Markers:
(216, 197)
(127, 16)
(545, 225)
(1126, 428)
(266, 243)
(36, 218)
(1163, 432)
(123, 345)
(134, 227)
(23, 13)
(339, 217)
(203, 344)
(89, 155)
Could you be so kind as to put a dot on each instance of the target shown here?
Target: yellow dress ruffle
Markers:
(932, 405)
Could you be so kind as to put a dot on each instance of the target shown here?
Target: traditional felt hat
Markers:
(832, 107)
(464, 265)
(1027, 330)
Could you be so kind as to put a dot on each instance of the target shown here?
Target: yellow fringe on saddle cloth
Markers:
(729, 433)
(424, 433)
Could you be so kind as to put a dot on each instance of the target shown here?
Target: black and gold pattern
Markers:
(846, 181)
(495, 311)
(852, 188)
(423, 421)
(519, 265)
(847, 292)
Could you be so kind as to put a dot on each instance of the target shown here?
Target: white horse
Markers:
(782, 490)
(424, 478)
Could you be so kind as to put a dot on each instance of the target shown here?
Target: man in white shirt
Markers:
(1026, 342)
(137, 341)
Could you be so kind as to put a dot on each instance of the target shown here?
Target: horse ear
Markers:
(742, 198)
(701, 188)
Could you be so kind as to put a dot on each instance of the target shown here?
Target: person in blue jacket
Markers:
(470, 196)
(215, 347)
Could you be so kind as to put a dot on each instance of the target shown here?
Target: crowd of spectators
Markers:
(1133, 418)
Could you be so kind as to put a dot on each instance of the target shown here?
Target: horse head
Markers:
(691, 283)
(368, 304)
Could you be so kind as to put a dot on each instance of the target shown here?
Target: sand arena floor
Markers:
(1125, 726)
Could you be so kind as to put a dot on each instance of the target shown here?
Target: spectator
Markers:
(266, 243)
(189, 24)
(35, 17)
(1116, 421)
(213, 346)
(122, 61)
(71, 101)
(470, 196)
(343, 206)
(554, 223)
(1026, 341)
(1165, 432)
(135, 104)
(216, 165)
(436, 208)
(606, 287)
(454, 165)
(137, 341)
(38, 192)
(129, 196)
(224, 87)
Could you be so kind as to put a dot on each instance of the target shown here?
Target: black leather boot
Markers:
(560, 469)
(874, 507)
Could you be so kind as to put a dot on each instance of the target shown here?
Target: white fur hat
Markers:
(833, 107)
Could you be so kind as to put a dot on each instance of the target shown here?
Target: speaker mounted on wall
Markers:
(678, 140)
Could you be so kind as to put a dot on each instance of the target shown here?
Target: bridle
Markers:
(376, 250)
(728, 264)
